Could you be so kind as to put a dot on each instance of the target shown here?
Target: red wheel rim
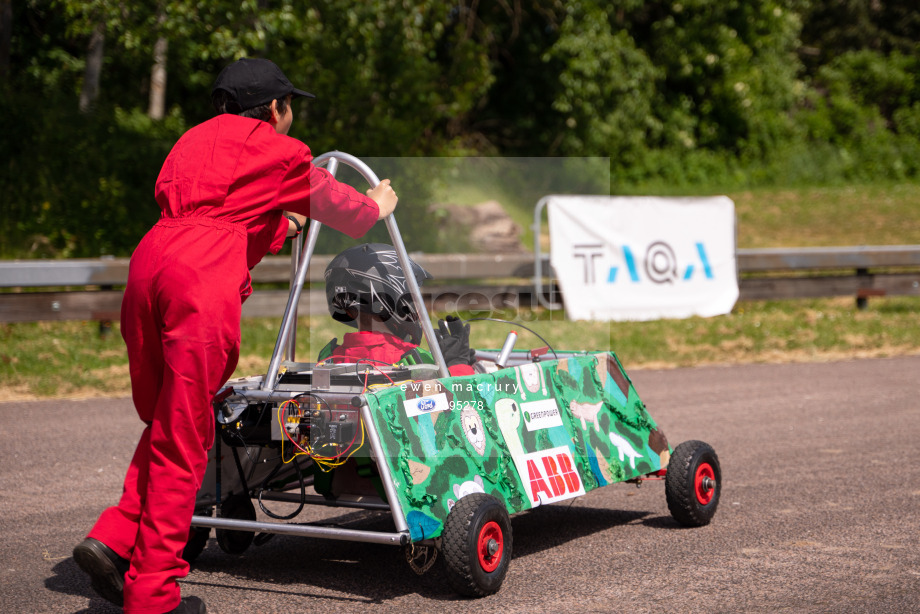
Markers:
(705, 483)
(490, 533)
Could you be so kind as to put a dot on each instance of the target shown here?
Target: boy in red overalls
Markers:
(230, 190)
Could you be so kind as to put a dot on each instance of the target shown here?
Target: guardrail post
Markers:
(864, 291)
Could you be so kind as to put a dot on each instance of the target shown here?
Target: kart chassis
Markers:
(473, 532)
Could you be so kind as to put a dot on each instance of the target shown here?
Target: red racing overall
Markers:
(382, 348)
(221, 191)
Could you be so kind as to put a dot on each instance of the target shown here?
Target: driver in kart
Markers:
(366, 289)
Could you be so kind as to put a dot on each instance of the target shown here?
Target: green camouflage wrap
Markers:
(527, 435)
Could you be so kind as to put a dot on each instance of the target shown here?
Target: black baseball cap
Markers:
(254, 81)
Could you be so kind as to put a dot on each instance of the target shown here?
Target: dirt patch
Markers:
(487, 227)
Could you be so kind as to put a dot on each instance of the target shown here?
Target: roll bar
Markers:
(300, 262)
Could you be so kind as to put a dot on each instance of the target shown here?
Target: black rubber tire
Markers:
(692, 504)
(239, 507)
(474, 517)
(197, 541)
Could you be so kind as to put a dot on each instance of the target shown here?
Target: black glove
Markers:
(454, 339)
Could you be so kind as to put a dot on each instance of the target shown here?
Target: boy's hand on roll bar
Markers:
(385, 197)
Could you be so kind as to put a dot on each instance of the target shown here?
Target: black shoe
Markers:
(105, 568)
(190, 605)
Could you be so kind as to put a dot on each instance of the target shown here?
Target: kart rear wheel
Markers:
(476, 544)
(239, 507)
(197, 537)
(693, 483)
(197, 541)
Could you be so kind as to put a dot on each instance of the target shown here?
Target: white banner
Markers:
(643, 257)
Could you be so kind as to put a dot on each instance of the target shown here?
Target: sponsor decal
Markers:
(660, 265)
(426, 405)
(551, 476)
(543, 414)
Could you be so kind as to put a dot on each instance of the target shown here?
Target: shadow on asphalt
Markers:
(664, 522)
(353, 572)
(70, 580)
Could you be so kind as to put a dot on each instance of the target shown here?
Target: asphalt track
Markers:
(819, 512)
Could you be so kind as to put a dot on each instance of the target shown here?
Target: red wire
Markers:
(353, 439)
(350, 444)
(355, 436)
(356, 359)
(371, 361)
(378, 369)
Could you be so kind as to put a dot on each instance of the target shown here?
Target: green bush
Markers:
(78, 185)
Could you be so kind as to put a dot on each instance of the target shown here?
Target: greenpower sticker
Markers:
(541, 414)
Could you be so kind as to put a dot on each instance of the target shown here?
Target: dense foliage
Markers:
(715, 93)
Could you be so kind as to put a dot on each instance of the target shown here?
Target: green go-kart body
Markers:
(528, 435)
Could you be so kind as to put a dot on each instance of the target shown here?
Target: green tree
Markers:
(674, 93)
(630, 78)
(833, 27)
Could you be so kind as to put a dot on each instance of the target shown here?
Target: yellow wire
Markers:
(281, 410)
(322, 460)
(324, 463)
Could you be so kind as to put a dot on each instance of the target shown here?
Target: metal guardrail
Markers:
(89, 289)
(272, 269)
(861, 272)
(864, 256)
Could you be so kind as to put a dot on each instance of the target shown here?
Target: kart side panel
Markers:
(528, 435)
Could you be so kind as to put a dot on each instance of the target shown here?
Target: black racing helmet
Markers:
(368, 278)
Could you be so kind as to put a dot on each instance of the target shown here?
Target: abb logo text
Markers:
(551, 476)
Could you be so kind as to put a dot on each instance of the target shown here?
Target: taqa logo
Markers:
(659, 265)
(551, 476)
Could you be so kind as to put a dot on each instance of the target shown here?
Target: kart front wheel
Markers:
(693, 483)
(476, 544)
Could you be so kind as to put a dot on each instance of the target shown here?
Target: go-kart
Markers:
(451, 458)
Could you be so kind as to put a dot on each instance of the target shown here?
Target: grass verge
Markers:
(72, 359)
